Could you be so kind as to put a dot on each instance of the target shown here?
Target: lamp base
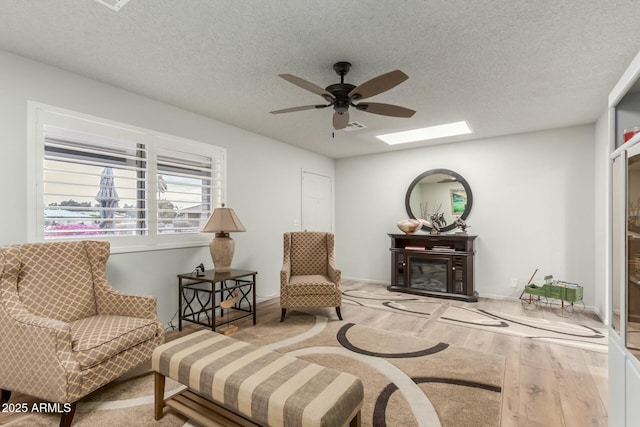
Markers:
(222, 247)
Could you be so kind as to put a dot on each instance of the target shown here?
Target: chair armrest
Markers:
(334, 273)
(116, 303)
(37, 352)
(285, 273)
(13, 312)
(26, 319)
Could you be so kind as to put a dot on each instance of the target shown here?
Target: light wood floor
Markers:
(545, 385)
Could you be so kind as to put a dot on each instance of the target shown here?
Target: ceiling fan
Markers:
(342, 95)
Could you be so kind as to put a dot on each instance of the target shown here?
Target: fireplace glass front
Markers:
(429, 274)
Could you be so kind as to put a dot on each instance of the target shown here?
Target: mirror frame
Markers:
(458, 177)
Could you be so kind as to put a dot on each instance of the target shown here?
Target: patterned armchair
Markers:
(309, 277)
(64, 331)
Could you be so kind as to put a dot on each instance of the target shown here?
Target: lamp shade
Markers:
(223, 220)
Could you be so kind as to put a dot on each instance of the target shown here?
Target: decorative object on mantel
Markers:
(437, 221)
(425, 222)
(409, 226)
(435, 227)
(462, 225)
(222, 221)
(436, 218)
(424, 210)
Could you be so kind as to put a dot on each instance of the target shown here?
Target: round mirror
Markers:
(440, 193)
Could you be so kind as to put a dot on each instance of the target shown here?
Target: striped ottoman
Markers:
(234, 383)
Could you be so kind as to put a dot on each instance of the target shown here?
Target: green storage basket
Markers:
(573, 294)
(557, 292)
(536, 290)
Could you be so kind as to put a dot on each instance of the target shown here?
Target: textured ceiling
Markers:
(505, 66)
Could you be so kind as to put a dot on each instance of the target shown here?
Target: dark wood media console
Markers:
(436, 265)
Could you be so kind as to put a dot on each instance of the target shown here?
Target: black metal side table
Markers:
(197, 296)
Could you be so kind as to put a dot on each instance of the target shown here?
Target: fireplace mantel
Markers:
(437, 265)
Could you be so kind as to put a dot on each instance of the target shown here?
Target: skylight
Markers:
(113, 4)
(423, 134)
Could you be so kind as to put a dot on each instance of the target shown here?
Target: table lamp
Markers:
(222, 221)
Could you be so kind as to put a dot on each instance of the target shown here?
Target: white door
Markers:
(317, 212)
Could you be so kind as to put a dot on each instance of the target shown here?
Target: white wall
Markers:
(533, 207)
(263, 176)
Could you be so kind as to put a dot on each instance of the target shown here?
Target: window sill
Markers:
(162, 247)
(119, 248)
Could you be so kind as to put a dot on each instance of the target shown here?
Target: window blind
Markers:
(188, 186)
(93, 185)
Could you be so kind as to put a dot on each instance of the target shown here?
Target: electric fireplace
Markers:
(433, 265)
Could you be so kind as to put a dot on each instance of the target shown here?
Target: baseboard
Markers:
(267, 298)
(602, 317)
(358, 279)
(498, 297)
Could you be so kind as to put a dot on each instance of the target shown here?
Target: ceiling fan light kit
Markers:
(343, 95)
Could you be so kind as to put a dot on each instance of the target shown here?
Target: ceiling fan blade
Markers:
(306, 85)
(304, 107)
(385, 109)
(340, 121)
(378, 85)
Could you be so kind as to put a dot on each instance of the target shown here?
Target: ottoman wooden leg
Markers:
(158, 396)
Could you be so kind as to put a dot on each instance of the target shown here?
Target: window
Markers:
(137, 188)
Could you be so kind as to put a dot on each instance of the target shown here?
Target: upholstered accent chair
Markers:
(64, 331)
(309, 277)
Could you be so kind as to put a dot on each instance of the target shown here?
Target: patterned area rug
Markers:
(121, 403)
(390, 301)
(568, 334)
(408, 381)
(557, 332)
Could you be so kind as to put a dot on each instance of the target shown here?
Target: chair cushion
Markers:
(314, 284)
(97, 338)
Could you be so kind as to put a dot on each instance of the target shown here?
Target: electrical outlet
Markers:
(514, 282)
